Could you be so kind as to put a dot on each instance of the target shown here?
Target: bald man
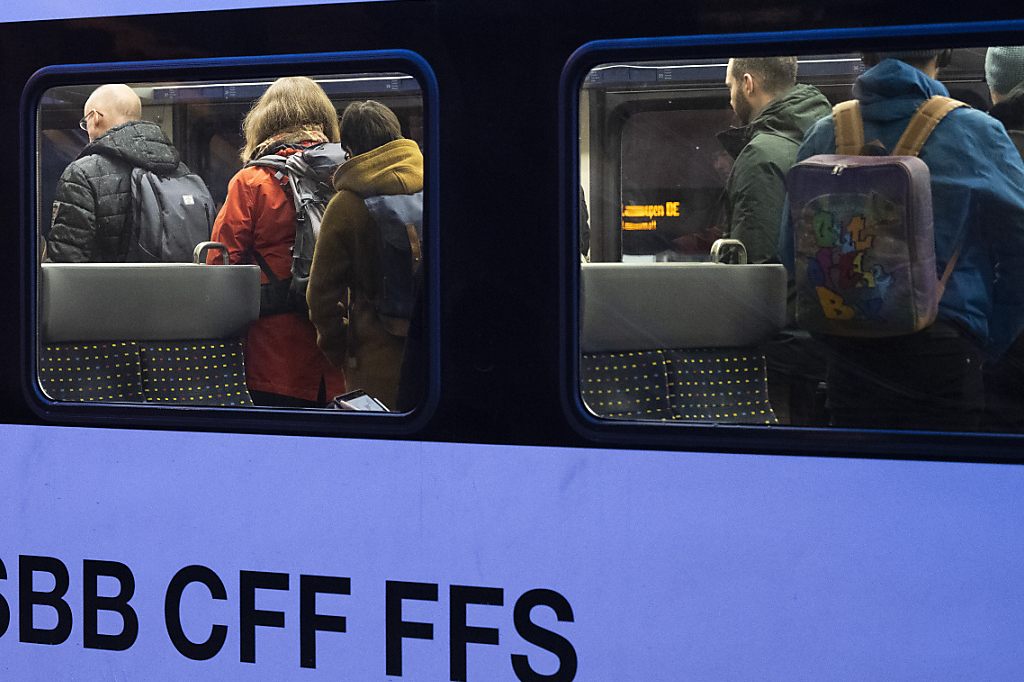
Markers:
(92, 210)
(109, 106)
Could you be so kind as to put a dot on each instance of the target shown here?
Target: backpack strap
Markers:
(265, 267)
(415, 245)
(941, 289)
(276, 163)
(849, 127)
(274, 298)
(921, 125)
(925, 119)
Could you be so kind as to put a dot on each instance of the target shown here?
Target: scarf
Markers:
(302, 136)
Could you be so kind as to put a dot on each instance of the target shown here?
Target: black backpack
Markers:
(309, 173)
(170, 214)
(399, 221)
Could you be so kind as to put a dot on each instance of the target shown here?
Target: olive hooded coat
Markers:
(344, 278)
(764, 151)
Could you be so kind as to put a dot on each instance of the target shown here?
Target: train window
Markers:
(238, 242)
(739, 265)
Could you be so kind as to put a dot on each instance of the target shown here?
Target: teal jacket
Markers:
(764, 150)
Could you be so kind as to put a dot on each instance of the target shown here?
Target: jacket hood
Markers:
(393, 168)
(893, 90)
(1010, 111)
(139, 143)
(788, 116)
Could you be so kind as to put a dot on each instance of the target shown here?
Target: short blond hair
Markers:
(290, 103)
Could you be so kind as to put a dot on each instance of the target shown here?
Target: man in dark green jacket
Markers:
(774, 112)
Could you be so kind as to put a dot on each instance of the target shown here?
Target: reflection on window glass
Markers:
(227, 243)
(657, 180)
(751, 255)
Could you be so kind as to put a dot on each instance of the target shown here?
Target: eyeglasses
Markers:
(84, 123)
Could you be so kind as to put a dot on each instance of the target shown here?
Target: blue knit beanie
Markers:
(1004, 68)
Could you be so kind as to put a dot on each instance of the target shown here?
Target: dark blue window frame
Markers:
(232, 68)
(994, 447)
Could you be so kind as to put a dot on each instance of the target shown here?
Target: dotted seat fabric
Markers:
(91, 372)
(723, 386)
(631, 385)
(210, 373)
(202, 372)
(726, 386)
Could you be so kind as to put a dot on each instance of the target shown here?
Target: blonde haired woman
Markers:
(283, 365)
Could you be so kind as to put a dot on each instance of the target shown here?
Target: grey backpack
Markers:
(399, 221)
(309, 173)
(170, 215)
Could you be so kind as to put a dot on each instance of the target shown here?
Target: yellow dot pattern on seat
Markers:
(91, 372)
(631, 385)
(194, 373)
(202, 372)
(725, 386)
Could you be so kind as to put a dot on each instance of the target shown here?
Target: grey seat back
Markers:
(146, 302)
(647, 306)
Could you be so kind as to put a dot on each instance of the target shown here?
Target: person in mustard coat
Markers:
(344, 280)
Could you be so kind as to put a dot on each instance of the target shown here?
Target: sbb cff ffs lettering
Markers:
(33, 602)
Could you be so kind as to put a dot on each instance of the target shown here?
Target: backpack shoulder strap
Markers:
(921, 125)
(265, 267)
(923, 122)
(849, 127)
(275, 162)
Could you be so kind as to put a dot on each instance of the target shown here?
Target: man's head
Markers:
(754, 82)
(368, 125)
(927, 61)
(1004, 70)
(108, 106)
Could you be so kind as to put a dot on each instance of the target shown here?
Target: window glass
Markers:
(284, 175)
(707, 296)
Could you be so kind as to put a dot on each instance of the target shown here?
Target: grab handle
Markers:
(728, 245)
(199, 253)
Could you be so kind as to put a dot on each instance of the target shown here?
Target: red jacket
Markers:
(281, 355)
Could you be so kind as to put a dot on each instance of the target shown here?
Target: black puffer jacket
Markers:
(91, 210)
